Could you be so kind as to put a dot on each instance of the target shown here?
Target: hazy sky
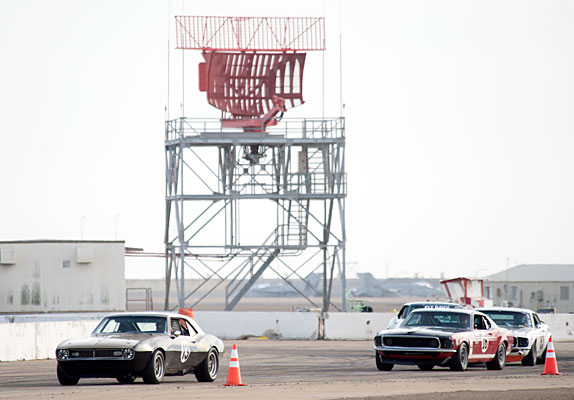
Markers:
(459, 125)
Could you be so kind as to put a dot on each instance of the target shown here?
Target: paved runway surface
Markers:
(309, 370)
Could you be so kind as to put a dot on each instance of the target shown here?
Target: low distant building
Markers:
(536, 286)
(62, 276)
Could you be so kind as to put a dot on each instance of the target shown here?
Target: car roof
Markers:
(157, 314)
(445, 303)
(512, 309)
(148, 314)
(448, 310)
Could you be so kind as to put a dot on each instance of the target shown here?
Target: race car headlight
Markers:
(447, 343)
(128, 354)
(63, 354)
(521, 342)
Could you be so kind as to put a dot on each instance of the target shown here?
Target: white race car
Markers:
(408, 307)
(530, 333)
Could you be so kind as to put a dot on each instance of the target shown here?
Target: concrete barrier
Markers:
(275, 325)
(38, 340)
(561, 325)
(36, 336)
(355, 326)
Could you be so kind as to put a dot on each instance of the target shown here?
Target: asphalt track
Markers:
(307, 370)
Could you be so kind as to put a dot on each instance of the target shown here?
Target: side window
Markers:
(184, 327)
(480, 322)
(403, 313)
(476, 322)
(486, 323)
(536, 319)
(175, 326)
(192, 330)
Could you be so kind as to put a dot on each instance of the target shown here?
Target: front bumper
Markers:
(414, 355)
(105, 367)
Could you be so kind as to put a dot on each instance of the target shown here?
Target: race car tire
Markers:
(126, 379)
(382, 366)
(155, 370)
(65, 379)
(542, 357)
(425, 367)
(529, 359)
(459, 361)
(499, 360)
(207, 370)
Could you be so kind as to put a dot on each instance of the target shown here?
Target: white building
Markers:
(61, 276)
(540, 286)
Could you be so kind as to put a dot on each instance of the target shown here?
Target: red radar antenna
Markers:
(253, 67)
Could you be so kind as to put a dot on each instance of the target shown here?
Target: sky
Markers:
(458, 115)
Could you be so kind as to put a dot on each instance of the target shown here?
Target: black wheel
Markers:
(207, 370)
(155, 370)
(425, 367)
(459, 361)
(530, 359)
(499, 359)
(65, 379)
(126, 379)
(542, 358)
(382, 366)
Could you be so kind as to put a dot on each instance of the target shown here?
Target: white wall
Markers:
(275, 325)
(37, 336)
(38, 340)
(355, 326)
(58, 276)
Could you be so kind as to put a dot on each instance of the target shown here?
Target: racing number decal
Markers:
(484, 345)
(185, 352)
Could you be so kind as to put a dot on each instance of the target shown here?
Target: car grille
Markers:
(411, 341)
(99, 353)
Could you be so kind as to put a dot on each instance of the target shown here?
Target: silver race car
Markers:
(144, 344)
(530, 333)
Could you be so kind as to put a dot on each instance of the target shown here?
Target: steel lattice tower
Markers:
(247, 194)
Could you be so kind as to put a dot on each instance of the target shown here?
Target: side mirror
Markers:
(175, 334)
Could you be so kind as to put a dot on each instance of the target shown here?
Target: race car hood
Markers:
(522, 331)
(104, 341)
(419, 331)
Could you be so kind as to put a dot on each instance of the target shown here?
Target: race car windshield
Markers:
(132, 324)
(438, 319)
(510, 319)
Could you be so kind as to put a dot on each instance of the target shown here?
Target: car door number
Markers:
(185, 352)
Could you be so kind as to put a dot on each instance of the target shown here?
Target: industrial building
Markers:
(61, 276)
(535, 286)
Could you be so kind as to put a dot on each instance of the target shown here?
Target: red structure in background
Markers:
(253, 67)
(466, 291)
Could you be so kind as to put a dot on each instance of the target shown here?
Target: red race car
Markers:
(445, 337)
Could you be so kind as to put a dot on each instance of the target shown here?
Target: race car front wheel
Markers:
(154, 371)
(65, 379)
(499, 360)
(459, 361)
(530, 359)
(382, 366)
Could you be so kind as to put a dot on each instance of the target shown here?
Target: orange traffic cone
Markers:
(550, 366)
(234, 375)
